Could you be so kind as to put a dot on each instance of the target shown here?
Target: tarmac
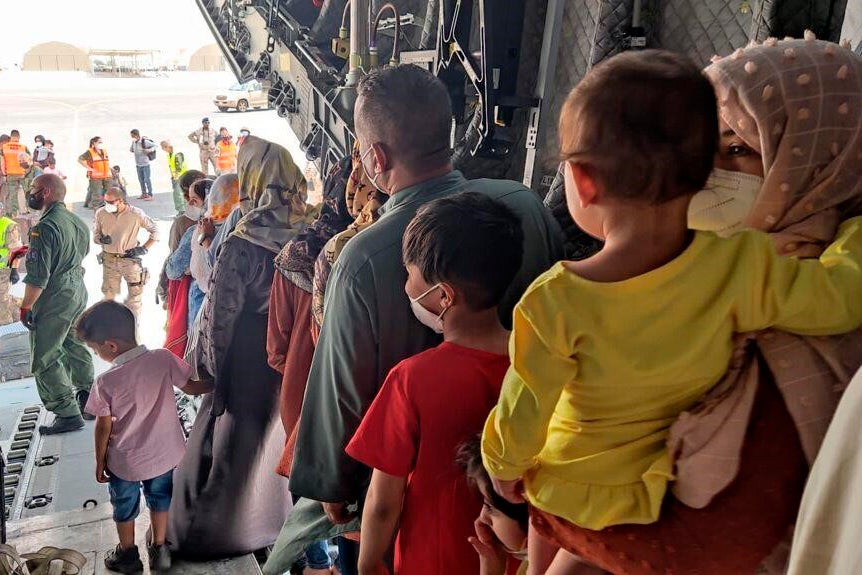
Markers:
(70, 108)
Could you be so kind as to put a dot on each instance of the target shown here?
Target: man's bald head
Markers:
(408, 111)
(51, 187)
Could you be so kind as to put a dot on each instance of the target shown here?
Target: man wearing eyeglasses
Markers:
(116, 228)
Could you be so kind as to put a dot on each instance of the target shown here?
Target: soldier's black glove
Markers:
(105, 240)
(14, 277)
(26, 317)
(135, 252)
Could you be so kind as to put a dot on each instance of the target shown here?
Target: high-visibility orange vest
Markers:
(11, 150)
(100, 165)
(226, 161)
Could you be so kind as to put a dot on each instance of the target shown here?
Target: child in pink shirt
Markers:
(139, 440)
(51, 168)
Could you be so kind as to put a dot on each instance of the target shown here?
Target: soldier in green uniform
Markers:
(53, 299)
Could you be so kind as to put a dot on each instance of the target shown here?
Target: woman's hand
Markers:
(512, 491)
(492, 554)
(206, 227)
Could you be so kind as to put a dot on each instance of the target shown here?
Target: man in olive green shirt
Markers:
(402, 116)
(54, 297)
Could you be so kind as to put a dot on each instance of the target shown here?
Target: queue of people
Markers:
(413, 370)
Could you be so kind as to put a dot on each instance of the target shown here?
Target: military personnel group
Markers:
(33, 205)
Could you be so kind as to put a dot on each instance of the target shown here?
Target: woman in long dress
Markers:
(227, 499)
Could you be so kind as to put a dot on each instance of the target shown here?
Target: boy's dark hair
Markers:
(201, 188)
(469, 459)
(645, 123)
(188, 178)
(135, 132)
(116, 169)
(106, 320)
(468, 240)
(15, 134)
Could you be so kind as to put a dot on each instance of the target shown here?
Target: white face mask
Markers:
(724, 204)
(426, 317)
(111, 208)
(373, 180)
(100, 146)
(194, 213)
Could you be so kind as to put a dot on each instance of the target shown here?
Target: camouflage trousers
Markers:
(16, 198)
(115, 269)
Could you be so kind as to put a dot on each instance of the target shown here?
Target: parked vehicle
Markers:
(241, 97)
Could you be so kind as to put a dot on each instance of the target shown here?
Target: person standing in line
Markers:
(54, 297)
(144, 150)
(176, 165)
(15, 172)
(226, 159)
(205, 138)
(139, 439)
(116, 229)
(95, 161)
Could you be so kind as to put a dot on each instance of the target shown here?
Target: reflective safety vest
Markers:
(176, 163)
(5, 224)
(226, 161)
(100, 164)
(11, 150)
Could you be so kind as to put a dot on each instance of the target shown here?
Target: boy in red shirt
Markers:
(461, 254)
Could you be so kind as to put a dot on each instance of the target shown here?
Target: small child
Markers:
(501, 528)
(139, 440)
(117, 180)
(608, 351)
(51, 168)
(461, 254)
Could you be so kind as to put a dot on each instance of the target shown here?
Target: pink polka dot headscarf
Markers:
(799, 104)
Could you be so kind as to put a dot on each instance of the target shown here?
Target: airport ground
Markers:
(69, 109)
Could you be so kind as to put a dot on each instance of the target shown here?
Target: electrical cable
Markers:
(375, 24)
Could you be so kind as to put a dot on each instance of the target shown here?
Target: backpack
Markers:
(151, 155)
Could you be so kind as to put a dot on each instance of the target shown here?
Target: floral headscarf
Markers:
(272, 195)
(363, 201)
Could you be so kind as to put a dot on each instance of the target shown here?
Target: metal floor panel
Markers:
(93, 533)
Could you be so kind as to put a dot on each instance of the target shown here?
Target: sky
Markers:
(174, 26)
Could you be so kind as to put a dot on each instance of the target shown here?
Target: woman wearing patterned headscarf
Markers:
(790, 164)
(227, 499)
